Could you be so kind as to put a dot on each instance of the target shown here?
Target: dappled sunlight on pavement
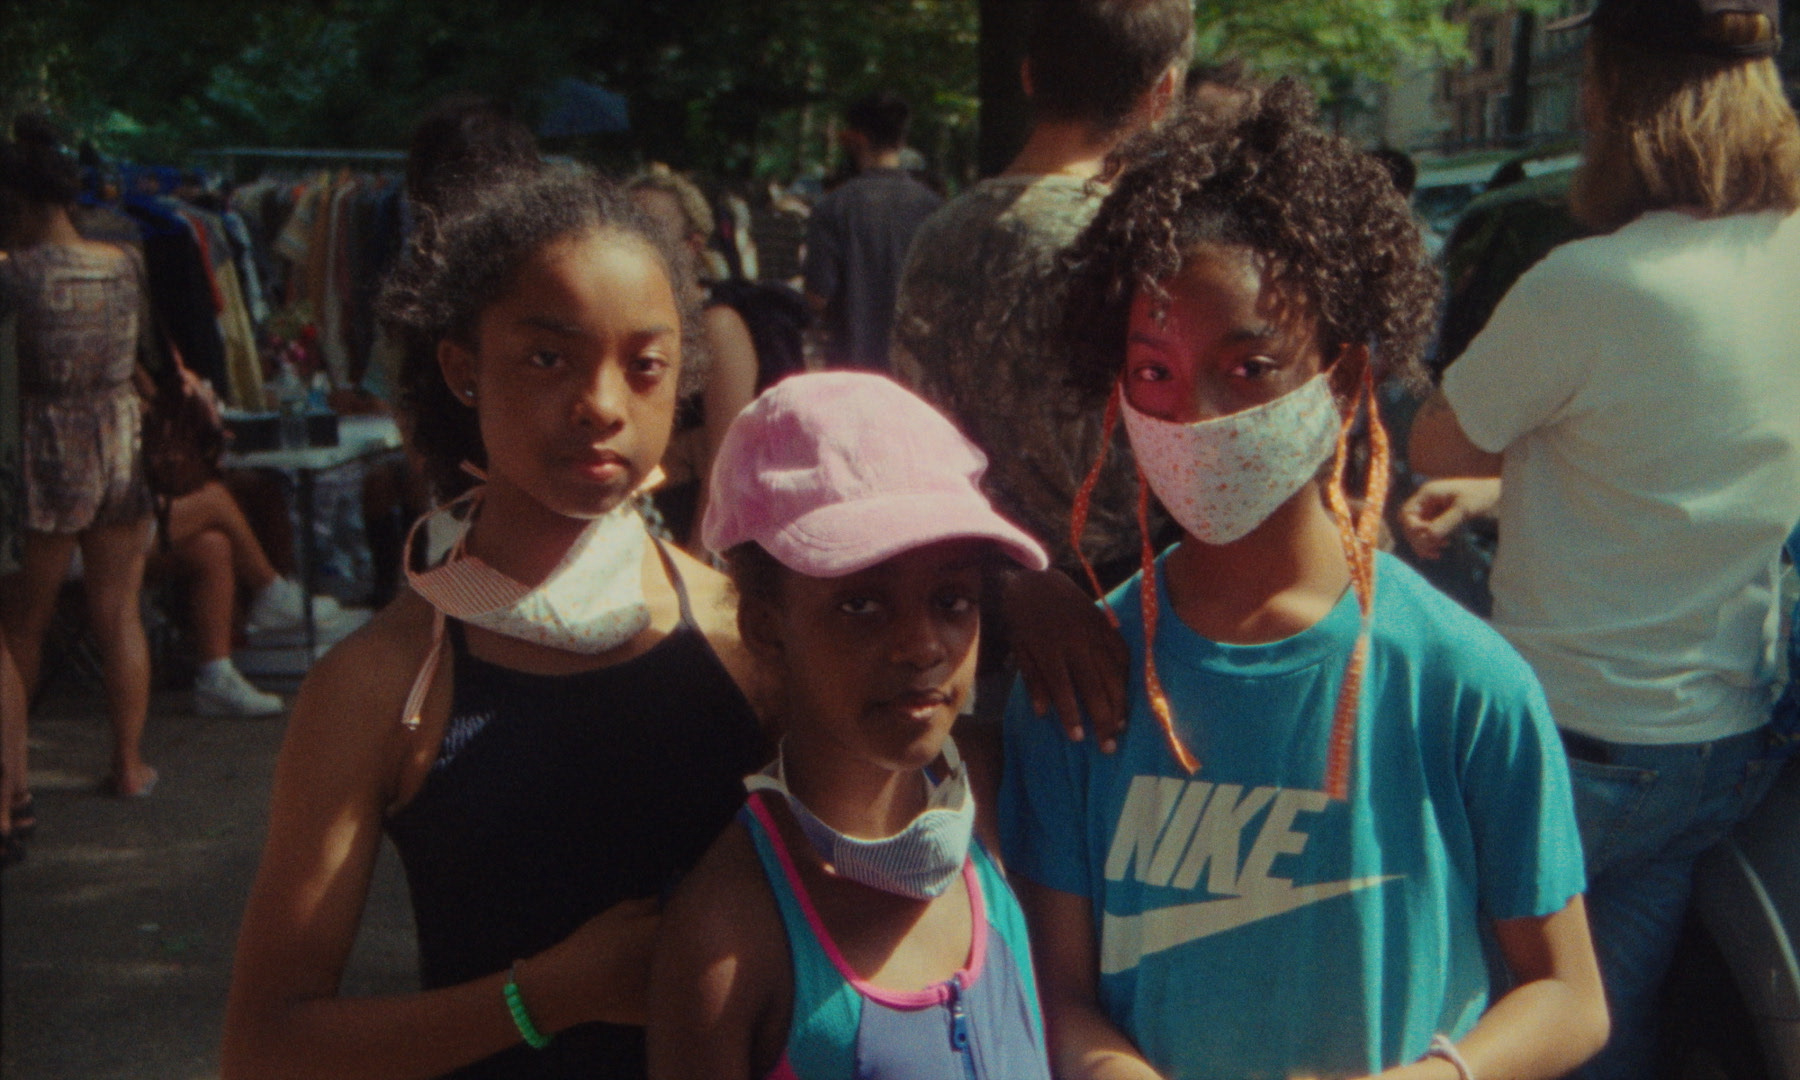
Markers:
(120, 923)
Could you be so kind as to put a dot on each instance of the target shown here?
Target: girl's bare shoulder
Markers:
(723, 907)
(710, 592)
(388, 649)
(366, 677)
(715, 602)
(722, 972)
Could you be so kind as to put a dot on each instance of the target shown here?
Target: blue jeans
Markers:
(1646, 813)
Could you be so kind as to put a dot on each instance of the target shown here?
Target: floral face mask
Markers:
(1221, 478)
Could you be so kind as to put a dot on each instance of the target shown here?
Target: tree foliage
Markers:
(1341, 47)
(732, 87)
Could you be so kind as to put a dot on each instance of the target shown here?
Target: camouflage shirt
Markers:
(976, 332)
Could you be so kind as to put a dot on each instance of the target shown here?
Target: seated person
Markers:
(211, 548)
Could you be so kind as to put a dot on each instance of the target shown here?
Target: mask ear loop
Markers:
(1358, 533)
(415, 697)
(411, 712)
(1153, 688)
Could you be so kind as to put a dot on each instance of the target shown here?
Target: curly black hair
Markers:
(463, 139)
(459, 263)
(1323, 220)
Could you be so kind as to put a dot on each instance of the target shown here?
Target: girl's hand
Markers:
(1070, 654)
(1441, 507)
(601, 972)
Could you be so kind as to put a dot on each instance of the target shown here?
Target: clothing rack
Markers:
(317, 157)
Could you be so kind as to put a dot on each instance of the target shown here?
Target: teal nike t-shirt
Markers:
(1248, 926)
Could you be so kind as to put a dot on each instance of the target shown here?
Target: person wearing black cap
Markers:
(1632, 414)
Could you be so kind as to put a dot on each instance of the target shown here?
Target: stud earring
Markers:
(469, 393)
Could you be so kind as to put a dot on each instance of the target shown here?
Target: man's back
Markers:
(1643, 386)
(856, 245)
(976, 332)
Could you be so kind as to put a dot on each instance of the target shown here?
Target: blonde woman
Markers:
(1632, 415)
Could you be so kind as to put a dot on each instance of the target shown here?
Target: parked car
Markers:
(1445, 188)
(1747, 907)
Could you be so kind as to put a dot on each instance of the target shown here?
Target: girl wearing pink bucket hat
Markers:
(853, 920)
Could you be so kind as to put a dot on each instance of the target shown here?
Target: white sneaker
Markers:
(281, 607)
(223, 691)
(276, 607)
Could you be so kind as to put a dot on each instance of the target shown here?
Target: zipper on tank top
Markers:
(959, 1027)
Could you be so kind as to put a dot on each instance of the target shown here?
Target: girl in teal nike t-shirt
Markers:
(1331, 776)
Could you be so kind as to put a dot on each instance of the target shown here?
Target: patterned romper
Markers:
(77, 312)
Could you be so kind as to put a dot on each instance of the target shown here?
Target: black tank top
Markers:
(554, 797)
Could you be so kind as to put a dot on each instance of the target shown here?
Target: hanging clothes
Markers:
(181, 285)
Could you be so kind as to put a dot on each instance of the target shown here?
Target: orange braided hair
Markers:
(1159, 701)
(1359, 533)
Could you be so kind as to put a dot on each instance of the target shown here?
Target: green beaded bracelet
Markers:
(515, 1004)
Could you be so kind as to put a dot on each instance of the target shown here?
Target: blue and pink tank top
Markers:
(983, 1022)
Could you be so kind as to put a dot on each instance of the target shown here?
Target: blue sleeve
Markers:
(1043, 799)
(1515, 783)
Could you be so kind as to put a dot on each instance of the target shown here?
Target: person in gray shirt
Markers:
(857, 238)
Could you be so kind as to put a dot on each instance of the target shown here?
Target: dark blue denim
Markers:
(1646, 813)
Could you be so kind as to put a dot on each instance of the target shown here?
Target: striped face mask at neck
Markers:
(920, 861)
(591, 602)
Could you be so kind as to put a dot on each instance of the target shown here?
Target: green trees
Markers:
(735, 87)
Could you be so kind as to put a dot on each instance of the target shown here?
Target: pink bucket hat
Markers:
(836, 471)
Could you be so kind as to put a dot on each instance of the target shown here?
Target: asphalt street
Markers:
(120, 923)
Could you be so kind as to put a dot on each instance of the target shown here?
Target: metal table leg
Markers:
(309, 570)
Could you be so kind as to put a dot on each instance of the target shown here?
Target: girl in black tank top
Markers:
(541, 820)
(554, 797)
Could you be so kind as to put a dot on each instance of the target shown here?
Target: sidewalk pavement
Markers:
(120, 923)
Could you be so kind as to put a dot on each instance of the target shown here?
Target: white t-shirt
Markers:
(1645, 389)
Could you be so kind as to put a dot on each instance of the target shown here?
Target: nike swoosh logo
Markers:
(1126, 939)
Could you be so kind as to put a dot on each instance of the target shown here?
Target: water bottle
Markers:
(290, 397)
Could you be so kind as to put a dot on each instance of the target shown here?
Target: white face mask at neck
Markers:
(592, 602)
(1221, 478)
(920, 861)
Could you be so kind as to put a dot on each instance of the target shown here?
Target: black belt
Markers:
(1586, 748)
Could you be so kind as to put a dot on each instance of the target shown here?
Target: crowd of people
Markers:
(748, 710)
